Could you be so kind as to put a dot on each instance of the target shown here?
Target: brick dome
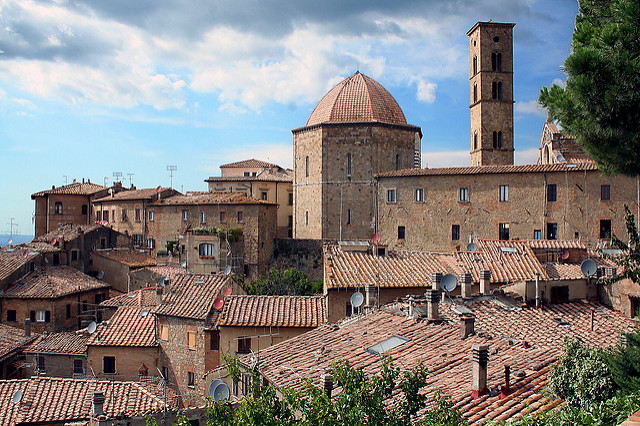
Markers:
(357, 99)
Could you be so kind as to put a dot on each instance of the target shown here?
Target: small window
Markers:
(348, 216)
(223, 216)
(306, 166)
(497, 140)
(191, 340)
(41, 364)
(109, 365)
(138, 215)
(552, 231)
(552, 193)
(605, 229)
(85, 209)
(504, 193)
(494, 62)
(124, 215)
(263, 196)
(500, 90)
(605, 192)
(78, 366)
(349, 164)
(137, 239)
(68, 307)
(475, 93)
(401, 232)
(496, 39)
(244, 345)
(105, 215)
(151, 243)
(164, 332)
(475, 140)
(576, 235)
(352, 310)
(254, 174)
(475, 64)
(152, 216)
(113, 215)
(214, 341)
(206, 250)
(74, 255)
(240, 217)
(247, 174)
(494, 90)
(290, 200)
(306, 217)
(464, 195)
(498, 59)
(11, 316)
(419, 195)
(504, 231)
(191, 379)
(387, 344)
(41, 316)
(203, 217)
(98, 216)
(455, 232)
(185, 214)
(58, 208)
(391, 195)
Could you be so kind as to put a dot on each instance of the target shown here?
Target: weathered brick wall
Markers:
(55, 365)
(305, 255)
(129, 226)
(46, 219)
(115, 273)
(620, 294)
(337, 299)
(578, 208)
(129, 360)
(307, 189)
(261, 337)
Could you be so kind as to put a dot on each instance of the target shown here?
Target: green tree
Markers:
(283, 282)
(624, 364)
(600, 105)
(629, 261)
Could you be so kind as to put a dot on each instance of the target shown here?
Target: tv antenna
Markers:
(11, 225)
(171, 169)
(106, 180)
(66, 179)
(117, 176)
(130, 178)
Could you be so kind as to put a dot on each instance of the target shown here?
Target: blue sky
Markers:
(88, 88)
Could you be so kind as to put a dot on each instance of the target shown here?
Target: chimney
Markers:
(167, 285)
(143, 371)
(327, 380)
(436, 277)
(158, 296)
(479, 359)
(98, 404)
(410, 300)
(27, 327)
(506, 390)
(433, 297)
(466, 279)
(485, 282)
(370, 294)
(467, 323)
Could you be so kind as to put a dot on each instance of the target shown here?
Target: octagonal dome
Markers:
(357, 99)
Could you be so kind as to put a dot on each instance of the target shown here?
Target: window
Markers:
(475, 93)
(475, 65)
(504, 231)
(247, 174)
(496, 90)
(214, 341)
(137, 215)
(496, 59)
(497, 140)
(244, 345)
(11, 316)
(41, 365)
(605, 229)
(475, 140)
(240, 217)
(635, 307)
(605, 192)
(191, 340)
(191, 379)
(306, 217)
(152, 216)
(105, 215)
(109, 365)
(56, 258)
(552, 231)
(58, 208)
(419, 195)
(290, 226)
(203, 217)
(254, 173)
(397, 161)
(559, 294)
(124, 215)
(84, 210)
(98, 216)
(348, 216)
(349, 165)
(290, 201)
(401, 232)
(263, 196)
(504, 193)
(74, 255)
(455, 232)
(103, 243)
(137, 239)
(391, 195)
(68, 310)
(464, 195)
(113, 215)
(306, 166)
(151, 243)
(206, 250)
(552, 193)
(185, 214)
(78, 367)
(223, 216)
(43, 316)
(352, 310)
(387, 344)
(164, 333)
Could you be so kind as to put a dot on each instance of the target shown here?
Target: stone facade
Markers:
(128, 361)
(208, 254)
(55, 365)
(623, 296)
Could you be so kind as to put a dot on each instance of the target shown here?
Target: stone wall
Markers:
(337, 299)
(305, 255)
(129, 360)
(621, 296)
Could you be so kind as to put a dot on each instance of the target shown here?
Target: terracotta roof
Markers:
(249, 163)
(357, 98)
(14, 257)
(273, 311)
(60, 343)
(210, 198)
(66, 232)
(12, 339)
(75, 188)
(192, 296)
(132, 259)
(166, 271)
(127, 327)
(42, 247)
(51, 282)
(263, 176)
(52, 399)
(143, 297)
(555, 244)
(133, 194)
(496, 169)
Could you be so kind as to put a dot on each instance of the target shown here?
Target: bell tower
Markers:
(491, 93)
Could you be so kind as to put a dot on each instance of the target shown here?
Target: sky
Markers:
(89, 88)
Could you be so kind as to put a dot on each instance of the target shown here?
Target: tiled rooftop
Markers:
(66, 232)
(249, 163)
(166, 271)
(11, 339)
(75, 188)
(273, 311)
(127, 327)
(14, 257)
(133, 194)
(192, 296)
(57, 400)
(52, 282)
(263, 176)
(144, 297)
(60, 343)
(357, 98)
(210, 198)
(132, 259)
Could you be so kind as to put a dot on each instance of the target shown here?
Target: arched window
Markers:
(206, 250)
(58, 208)
(475, 93)
(499, 140)
(499, 61)
(495, 140)
(494, 90)
(475, 65)
(546, 154)
(494, 62)
(499, 90)
(475, 140)
(349, 165)
(306, 166)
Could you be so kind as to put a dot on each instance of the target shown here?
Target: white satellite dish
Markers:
(449, 283)
(184, 264)
(9, 243)
(472, 247)
(100, 275)
(253, 362)
(91, 328)
(227, 270)
(357, 299)
(17, 397)
(588, 267)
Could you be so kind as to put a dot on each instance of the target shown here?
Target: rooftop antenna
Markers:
(171, 169)
(66, 179)
(106, 181)
(117, 176)
(130, 178)
(11, 225)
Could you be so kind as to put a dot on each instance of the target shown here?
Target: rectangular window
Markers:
(152, 216)
(605, 192)
(214, 341)
(464, 195)
(109, 365)
(223, 217)
(349, 163)
(185, 214)
(247, 174)
(537, 234)
(203, 217)
(191, 379)
(138, 215)
(391, 195)
(455, 232)
(290, 201)
(348, 216)
(151, 243)
(401, 231)
(113, 215)
(74, 255)
(105, 215)
(240, 218)
(78, 367)
(11, 316)
(164, 332)
(137, 239)
(605, 229)
(124, 215)
(552, 193)
(98, 216)
(504, 231)
(552, 231)
(419, 195)
(191, 340)
(40, 316)
(244, 345)
(68, 310)
(41, 365)
(263, 196)
(504, 193)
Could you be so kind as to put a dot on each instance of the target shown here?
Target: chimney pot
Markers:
(369, 291)
(27, 327)
(506, 390)
(479, 358)
(485, 282)
(467, 326)
(436, 277)
(159, 296)
(433, 298)
(98, 404)
(466, 279)
(327, 379)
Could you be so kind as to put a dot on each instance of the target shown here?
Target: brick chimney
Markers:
(433, 298)
(467, 326)
(98, 404)
(479, 359)
(27, 327)
(370, 294)
(465, 281)
(167, 285)
(327, 381)
(158, 296)
(506, 389)
(436, 277)
(485, 282)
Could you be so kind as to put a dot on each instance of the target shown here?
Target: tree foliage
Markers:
(624, 364)
(600, 105)
(629, 261)
(283, 282)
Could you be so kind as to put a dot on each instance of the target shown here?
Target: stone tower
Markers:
(356, 131)
(491, 93)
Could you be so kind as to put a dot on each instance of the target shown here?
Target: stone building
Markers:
(12, 342)
(116, 266)
(356, 131)
(261, 180)
(555, 147)
(62, 354)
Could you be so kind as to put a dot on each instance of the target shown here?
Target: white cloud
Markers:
(530, 107)
(426, 92)
(526, 156)
(560, 82)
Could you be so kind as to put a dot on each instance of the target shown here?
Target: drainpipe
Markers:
(538, 290)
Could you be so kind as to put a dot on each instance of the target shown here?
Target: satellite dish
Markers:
(588, 267)
(227, 291)
(100, 275)
(253, 362)
(17, 397)
(184, 264)
(159, 188)
(10, 241)
(560, 158)
(218, 303)
(227, 270)
(472, 247)
(449, 283)
(91, 328)
(564, 254)
(219, 391)
(375, 238)
(356, 299)
(212, 386)
(54, 241)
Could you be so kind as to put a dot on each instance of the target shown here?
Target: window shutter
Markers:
(33, 316)
(47, 316)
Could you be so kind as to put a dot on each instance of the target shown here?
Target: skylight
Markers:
(387, 345)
